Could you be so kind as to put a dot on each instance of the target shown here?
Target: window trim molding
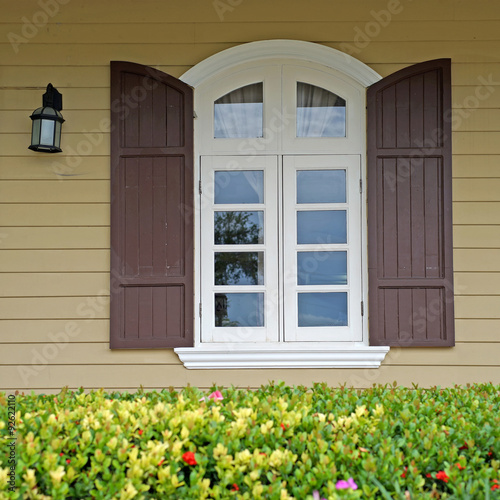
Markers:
(284, 355)
(280, 49)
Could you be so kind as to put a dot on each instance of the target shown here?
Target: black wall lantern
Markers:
(47, 123)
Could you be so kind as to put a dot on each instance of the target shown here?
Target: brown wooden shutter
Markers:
(151, 209)
(410, 207)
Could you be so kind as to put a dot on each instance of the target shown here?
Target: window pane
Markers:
(321, 227)
(322, 309)
(320, 113)
(239, 268)
(239, 309)
(322, 268)
(239, 113)
(239, 186)
(238, 228)
(321, 186)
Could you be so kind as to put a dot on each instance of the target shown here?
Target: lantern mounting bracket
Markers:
(52, 98)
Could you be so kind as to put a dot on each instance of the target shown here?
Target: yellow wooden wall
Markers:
(54, 209)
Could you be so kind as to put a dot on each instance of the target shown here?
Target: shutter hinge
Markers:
(199, 186)
(362, 308)
(200, 310)
(360, 185)
(195, 115)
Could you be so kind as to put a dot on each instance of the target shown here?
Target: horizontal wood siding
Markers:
(54, 209)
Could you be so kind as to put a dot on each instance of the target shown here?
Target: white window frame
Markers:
(207, 78)
(268, 332)
(354, 330)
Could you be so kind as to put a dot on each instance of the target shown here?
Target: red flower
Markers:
(428, 475)
(234, 487)
(68, 460)
(465, 446)
(496, 486)
(460, 467)
(161, 461)
(403, 475)
(140, 432)
(189, 458)
(61, 454)
(443, 476)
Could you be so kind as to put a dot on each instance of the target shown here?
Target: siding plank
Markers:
(54, 237)
(39, 214)
(55, 307)
(476, 236)
(37, 167)
(53, 284)
(53, 261)
(59, 191)
(26, 377)
(54, 330)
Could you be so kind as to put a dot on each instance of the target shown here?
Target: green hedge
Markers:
(278, 442)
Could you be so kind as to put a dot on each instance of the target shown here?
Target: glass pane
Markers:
(322, 268)
(47, 134)
(322, 309)
(238, 228)
(239, 309)
(321, 227)
(239, 268)
(320, 113)
(321, 186)
(239, 186)
(239, 113)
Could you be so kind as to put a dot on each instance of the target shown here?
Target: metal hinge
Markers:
(362, 308)
(360, 185)
(200, 310)
(199, 186)
(195, 115)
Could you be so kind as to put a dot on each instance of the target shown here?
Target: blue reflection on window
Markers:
(321, 186)
(322, 268)
(239, 186)
(322, 309)
(321, 227)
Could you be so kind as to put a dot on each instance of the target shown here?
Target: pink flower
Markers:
(345, 485)
(316, 495)
(217, 395)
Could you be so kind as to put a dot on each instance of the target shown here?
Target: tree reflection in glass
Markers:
(239, 268)
(238, 228)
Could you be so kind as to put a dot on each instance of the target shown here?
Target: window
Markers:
(281, 235)
(281, 254)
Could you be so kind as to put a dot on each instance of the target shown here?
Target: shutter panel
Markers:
(151, 209)
(410, 207)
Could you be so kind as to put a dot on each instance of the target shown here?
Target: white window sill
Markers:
(296, 355)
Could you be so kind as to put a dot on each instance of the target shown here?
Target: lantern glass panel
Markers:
(35, 134)
(47, 135)
(57, 141)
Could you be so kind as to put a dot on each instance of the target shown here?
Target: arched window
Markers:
(282, 269)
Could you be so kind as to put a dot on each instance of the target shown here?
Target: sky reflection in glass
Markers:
(321, 186)
(322, 309)
(322, 268)
(321, 227)
(239, 186)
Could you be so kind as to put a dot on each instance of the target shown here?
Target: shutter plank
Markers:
(151, 231)
(409, 208)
